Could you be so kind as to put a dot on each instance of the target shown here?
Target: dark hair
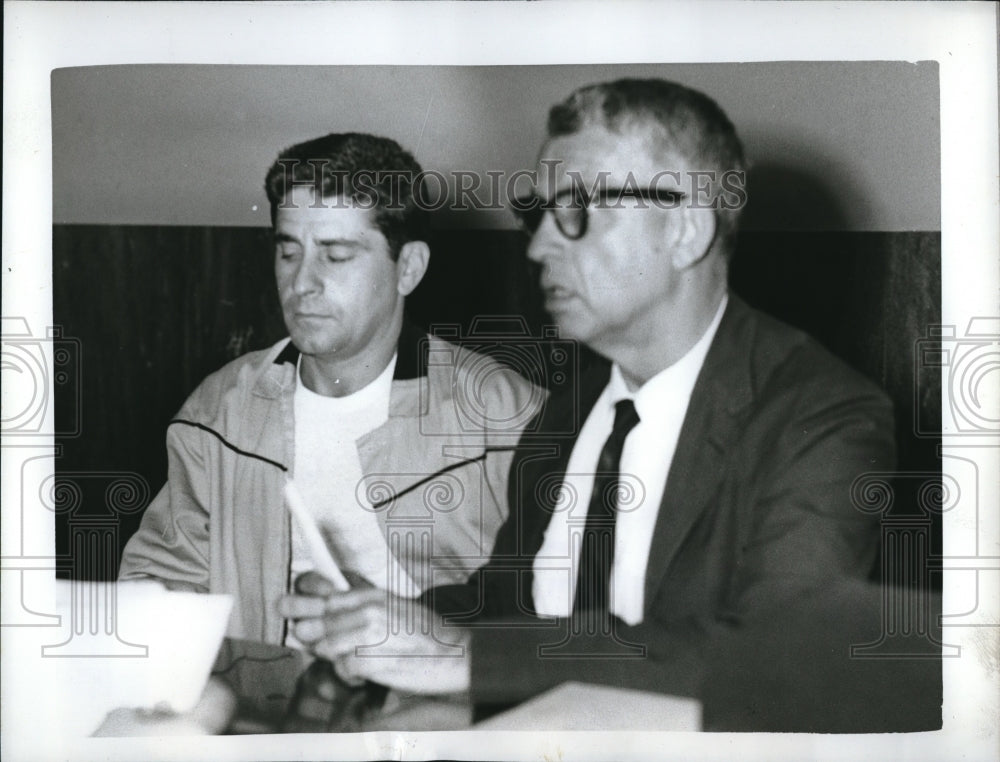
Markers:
(683, 121)
(373, 171)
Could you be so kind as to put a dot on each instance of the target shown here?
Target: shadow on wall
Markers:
(788, 198)
(870, 297)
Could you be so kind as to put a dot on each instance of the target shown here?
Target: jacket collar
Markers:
(411, 353)
(721, 396)
(408, 396)
(290, 354)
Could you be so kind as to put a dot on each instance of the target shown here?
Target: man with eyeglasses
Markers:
(707, 483)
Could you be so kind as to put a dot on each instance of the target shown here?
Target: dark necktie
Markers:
(597, 551)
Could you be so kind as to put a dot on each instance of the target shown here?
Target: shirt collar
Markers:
(673, 382)
(357, 399)
(411, 353)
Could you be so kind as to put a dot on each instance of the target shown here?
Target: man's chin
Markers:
(570, 327)
(314, 347)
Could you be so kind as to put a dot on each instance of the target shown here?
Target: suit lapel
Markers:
(712, 424)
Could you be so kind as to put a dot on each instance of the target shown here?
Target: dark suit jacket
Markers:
(757, 514)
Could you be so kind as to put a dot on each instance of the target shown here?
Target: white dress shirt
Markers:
(661, 403)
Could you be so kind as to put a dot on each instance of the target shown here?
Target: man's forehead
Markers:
(302, 206)
(595, 152)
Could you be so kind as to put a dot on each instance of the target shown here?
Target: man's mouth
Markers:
(554, 292)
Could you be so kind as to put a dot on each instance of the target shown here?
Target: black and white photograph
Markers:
(500, 381)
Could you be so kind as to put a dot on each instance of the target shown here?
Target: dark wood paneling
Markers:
(158, 308)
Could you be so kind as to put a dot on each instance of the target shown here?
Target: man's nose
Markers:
(545, 241)
(306, 279)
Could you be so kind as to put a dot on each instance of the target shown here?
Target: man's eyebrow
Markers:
(281, 237)
(337, 242)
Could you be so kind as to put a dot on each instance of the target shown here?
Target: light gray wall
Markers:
(836, 146)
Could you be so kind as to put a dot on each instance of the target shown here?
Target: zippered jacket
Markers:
(435, 473)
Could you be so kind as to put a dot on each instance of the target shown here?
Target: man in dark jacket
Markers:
(707, 478)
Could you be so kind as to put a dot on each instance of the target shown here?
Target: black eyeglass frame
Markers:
(530, 209)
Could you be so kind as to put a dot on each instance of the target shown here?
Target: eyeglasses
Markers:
(570, 207)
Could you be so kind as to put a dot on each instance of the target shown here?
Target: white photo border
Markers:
(961, 37)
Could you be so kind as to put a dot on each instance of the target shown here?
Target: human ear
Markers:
(695, 236)
(414, 257)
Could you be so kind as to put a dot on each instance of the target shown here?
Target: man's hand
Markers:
(372, 634)
(211, 716)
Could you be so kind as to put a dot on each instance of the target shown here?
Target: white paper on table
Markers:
(134, 645)
(582, 706)
(318, 550)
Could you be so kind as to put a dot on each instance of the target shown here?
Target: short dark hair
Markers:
(684, 121)
(367, 168)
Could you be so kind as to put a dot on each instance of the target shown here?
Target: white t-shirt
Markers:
(328, 475)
